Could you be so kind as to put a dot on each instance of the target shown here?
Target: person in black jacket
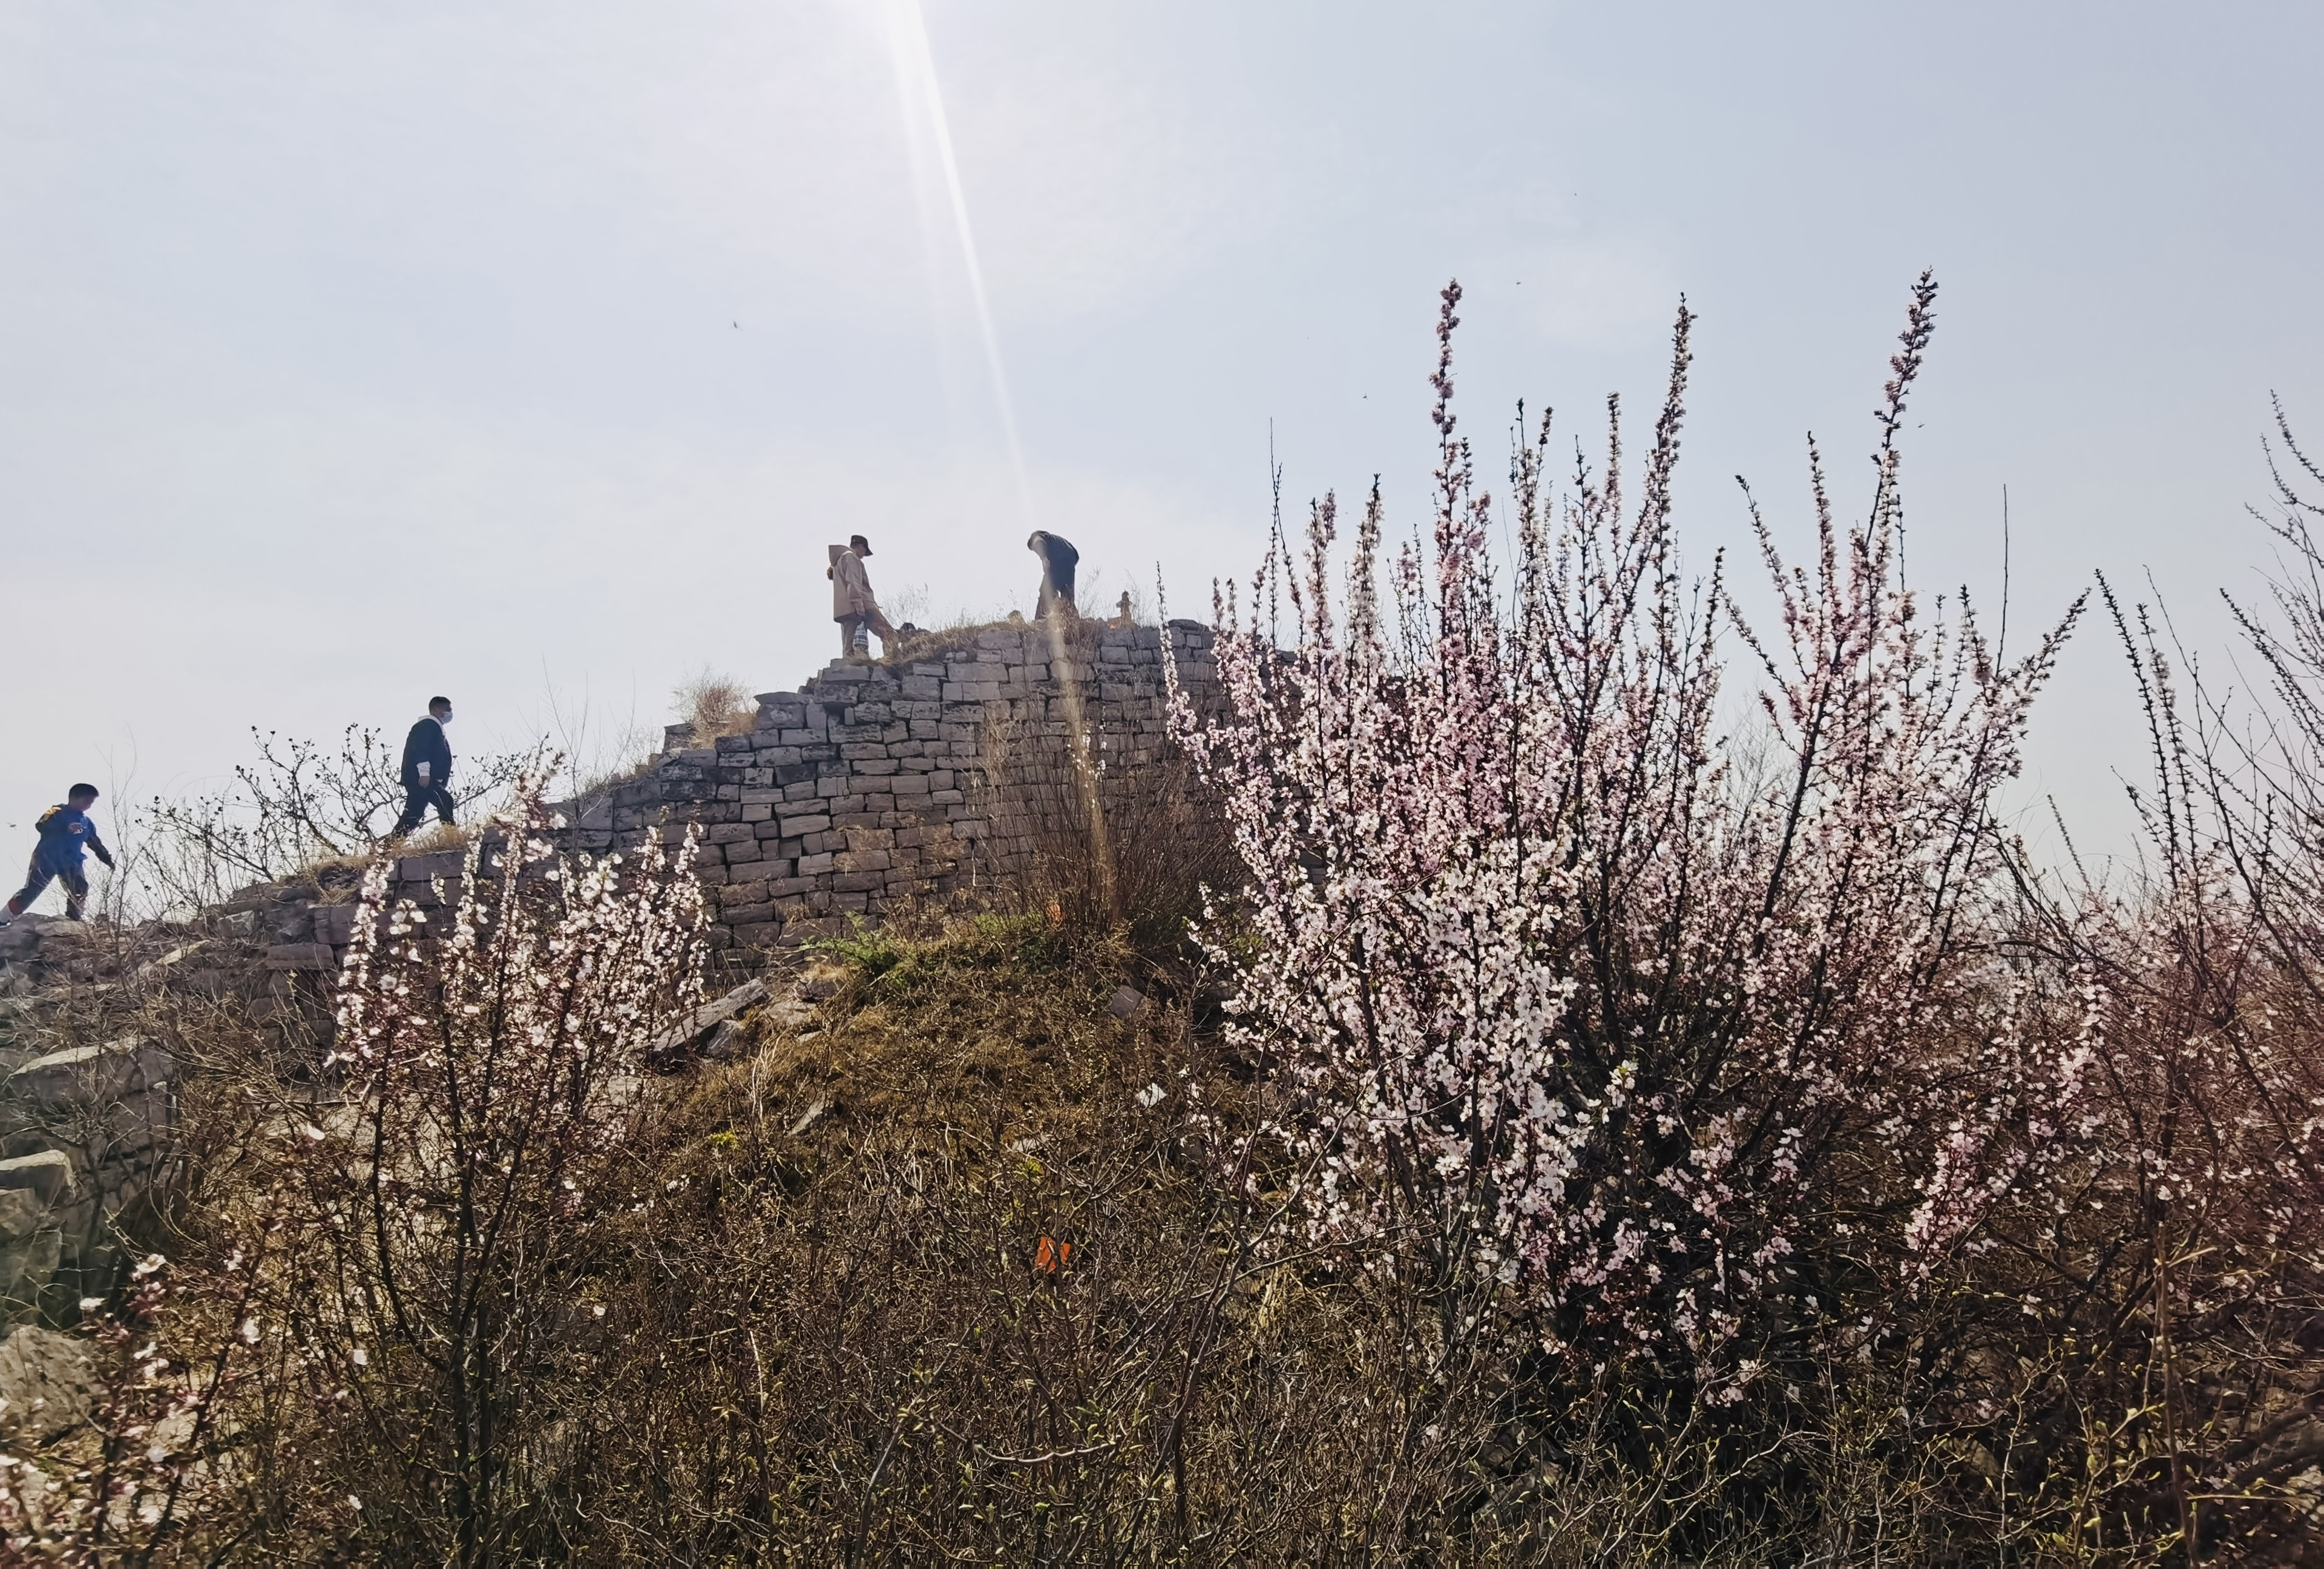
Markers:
(1058, 559)
(427, 768)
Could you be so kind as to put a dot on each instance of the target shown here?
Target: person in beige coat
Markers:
(852, 605)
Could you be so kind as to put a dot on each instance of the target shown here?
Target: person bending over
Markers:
(1058, 559)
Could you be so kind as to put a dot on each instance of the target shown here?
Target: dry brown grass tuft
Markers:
(713, 707)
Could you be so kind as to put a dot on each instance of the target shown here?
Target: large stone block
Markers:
(336, 923)
(135, 1125)
(89, 1076)
(26, 1267)
(437, 863)
(22, 1213)
(317, 956)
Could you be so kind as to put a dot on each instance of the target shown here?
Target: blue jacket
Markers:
(426, 743)
(65, 833)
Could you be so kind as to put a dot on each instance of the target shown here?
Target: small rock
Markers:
(705, 1019)
(48, 1174)
(818, 989)
(46, 1382)
(1126, 1001)
(814, 1115)
(146, 972)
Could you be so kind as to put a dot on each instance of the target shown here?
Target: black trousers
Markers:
(416, 803)
(1056, 586)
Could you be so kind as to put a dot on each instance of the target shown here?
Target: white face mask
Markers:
(444, 718)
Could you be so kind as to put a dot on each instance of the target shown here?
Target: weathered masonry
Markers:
(872, 784)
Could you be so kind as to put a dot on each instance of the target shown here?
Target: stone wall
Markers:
(873, 783)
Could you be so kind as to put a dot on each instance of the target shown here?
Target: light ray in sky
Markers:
(916, 79)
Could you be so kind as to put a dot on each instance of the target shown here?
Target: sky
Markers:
(532, 353)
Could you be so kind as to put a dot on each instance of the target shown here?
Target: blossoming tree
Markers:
(1650, 1036)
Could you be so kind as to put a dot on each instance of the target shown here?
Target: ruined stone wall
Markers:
(869, 786)
(872, 784)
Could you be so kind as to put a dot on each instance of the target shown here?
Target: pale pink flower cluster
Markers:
(1603, 1018)
(517, 1007)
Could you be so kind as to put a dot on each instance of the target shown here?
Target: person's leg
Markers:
(847, 625)
(76, 882)
(36, 882)
(1064, 581)
(442, 800)
(415, 806)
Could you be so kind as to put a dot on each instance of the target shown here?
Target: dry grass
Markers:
(714, 705)
(939, 642)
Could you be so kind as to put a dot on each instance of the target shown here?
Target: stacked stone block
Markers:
(870, 785)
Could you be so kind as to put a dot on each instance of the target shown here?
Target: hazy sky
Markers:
(533, 352)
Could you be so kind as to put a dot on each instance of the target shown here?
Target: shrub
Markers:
(1677, 1075)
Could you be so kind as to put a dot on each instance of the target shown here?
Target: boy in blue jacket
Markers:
(65, 833)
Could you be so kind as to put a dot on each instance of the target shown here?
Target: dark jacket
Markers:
(426, 743)
(1059, 554)
(65, 832)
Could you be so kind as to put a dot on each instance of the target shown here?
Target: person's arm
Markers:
(98, 845)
